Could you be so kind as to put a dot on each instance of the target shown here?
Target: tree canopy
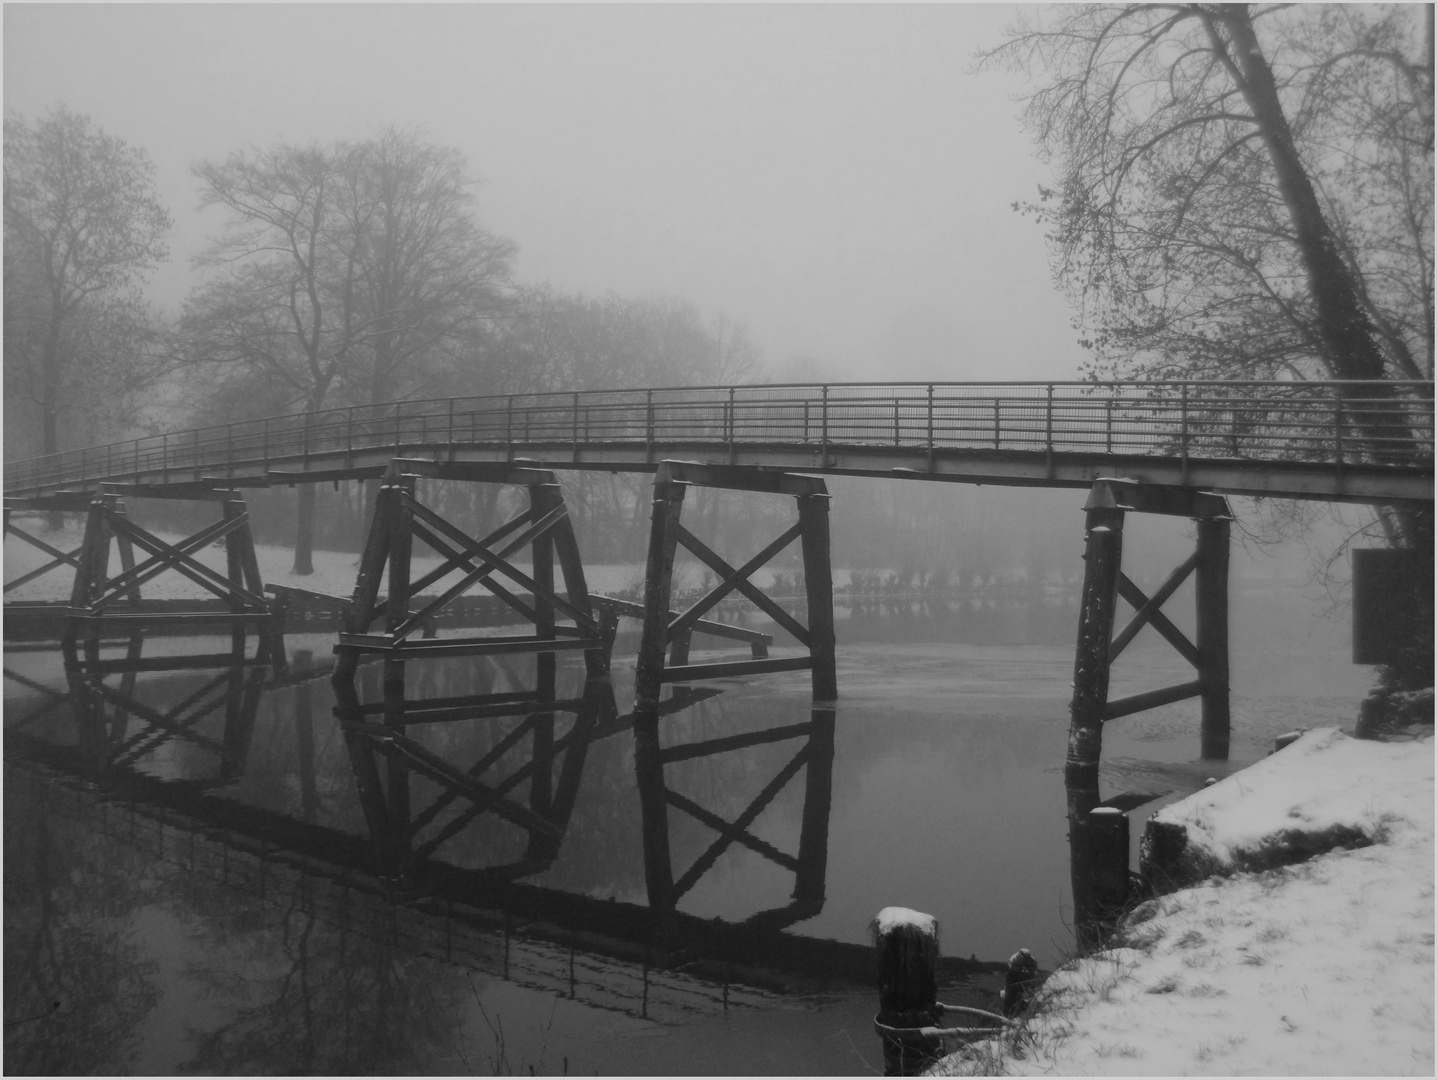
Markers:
(1242, 192)
(83, 227)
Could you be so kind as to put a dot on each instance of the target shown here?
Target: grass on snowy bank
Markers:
(1325, 967)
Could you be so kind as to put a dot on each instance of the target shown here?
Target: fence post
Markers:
(930, 409)
(1338, 425)
(824, 425)
(1183, 433)
(509, 429)
(265, 443)
(648, 425)
(729, 423)
(1049, 432)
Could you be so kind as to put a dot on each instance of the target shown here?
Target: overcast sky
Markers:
(836, 176)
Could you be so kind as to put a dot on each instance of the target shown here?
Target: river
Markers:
(194, 882)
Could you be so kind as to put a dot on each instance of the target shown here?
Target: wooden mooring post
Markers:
(907, 943)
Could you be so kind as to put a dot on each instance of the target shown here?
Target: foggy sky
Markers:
(837, 177)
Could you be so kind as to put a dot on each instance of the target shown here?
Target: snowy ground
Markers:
(1325, 967)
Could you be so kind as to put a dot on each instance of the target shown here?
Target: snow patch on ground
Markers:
(1321, 968)
(1323, 782)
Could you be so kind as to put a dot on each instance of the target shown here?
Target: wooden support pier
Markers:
(814, 757)
(1098, 646)
(400, 518)
(663, 627)
(99, 601)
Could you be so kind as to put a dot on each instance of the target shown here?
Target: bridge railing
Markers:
(1328, 422)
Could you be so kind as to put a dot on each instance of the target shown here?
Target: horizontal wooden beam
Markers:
(740, 478)
(1118, 493)
(488, 472)
(734, 742)
(694, 672)
(472, 646)
(1151, 699)
(702, 626)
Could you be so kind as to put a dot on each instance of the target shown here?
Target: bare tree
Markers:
(83, 227)
(425, 273)
(1218, 214)
(351, 271)
(1245, 192)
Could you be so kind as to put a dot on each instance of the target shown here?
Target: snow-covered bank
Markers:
(1322, 967)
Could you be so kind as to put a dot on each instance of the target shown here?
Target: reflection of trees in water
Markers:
(1032, 618)
(321, 998)
(68, 939)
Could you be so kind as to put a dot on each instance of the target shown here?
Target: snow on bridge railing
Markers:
(1316, 422)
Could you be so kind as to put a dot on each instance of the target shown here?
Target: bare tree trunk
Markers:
(305, 530)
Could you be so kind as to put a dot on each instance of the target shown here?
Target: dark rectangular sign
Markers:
(1386, 582)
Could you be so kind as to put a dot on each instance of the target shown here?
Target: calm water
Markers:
(200, 873)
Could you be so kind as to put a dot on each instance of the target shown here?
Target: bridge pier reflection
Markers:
(412, 795)
(815, 757)
(117, 728)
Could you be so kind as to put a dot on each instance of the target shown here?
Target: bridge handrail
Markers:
(1337, 422)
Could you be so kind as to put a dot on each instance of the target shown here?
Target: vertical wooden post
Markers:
(1103, 552)
(819, 591)
(649, 669)
(679, 648)
(1108, 849)
(94, 555)
(654, 814)
(234, 572)
(127, 555)
(908, 947)
(814, 822)
(305, 739)
(543, 498)
(1211, 599)
(658, 585)
(363, 600)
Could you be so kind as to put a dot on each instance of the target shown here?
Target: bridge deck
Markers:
(1359, 442)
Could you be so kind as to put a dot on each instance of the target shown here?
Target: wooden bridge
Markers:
(1345, 441)
(1172, 448)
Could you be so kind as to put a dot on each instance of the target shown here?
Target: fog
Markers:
(837, 177)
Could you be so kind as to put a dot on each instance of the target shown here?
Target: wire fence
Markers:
(1334, 423)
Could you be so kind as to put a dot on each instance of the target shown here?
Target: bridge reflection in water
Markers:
(491, 830)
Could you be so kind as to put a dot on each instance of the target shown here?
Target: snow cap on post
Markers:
(891, 917)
